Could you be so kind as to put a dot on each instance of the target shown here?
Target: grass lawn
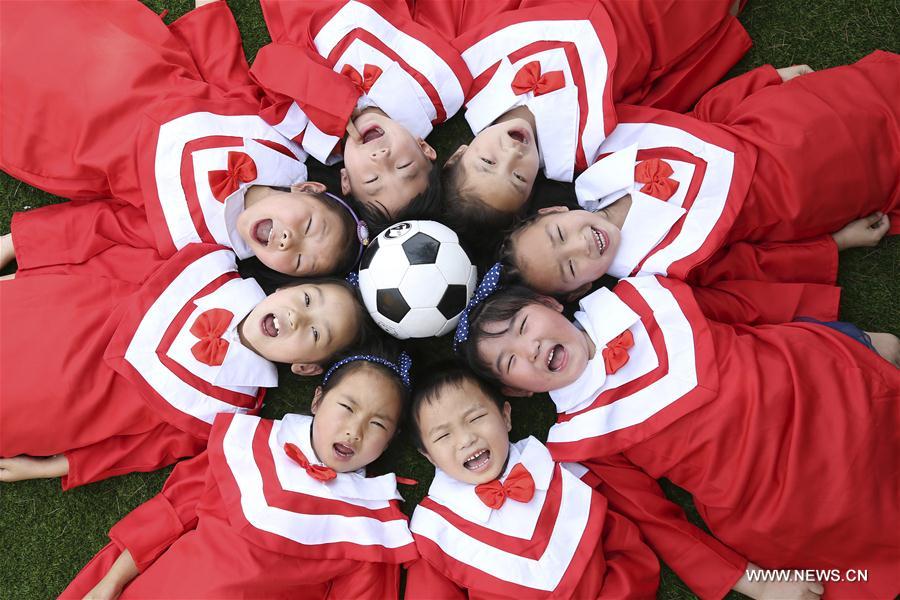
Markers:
(47, 536)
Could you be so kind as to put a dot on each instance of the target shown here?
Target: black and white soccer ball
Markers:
(416, 279)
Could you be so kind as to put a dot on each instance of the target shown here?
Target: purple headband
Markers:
(362, 230)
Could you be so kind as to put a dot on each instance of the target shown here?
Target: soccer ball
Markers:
(416, 279)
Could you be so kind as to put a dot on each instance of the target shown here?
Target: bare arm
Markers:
(120, 573)
(806, 590)
(20, 468)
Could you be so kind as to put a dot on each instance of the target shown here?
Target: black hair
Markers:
(426, 205)
(506, 254)
(440, 377)
(500, 307)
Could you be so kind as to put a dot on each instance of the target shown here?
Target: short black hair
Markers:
(501, 306)
(426, 205)
(440, 377)
(506, 254)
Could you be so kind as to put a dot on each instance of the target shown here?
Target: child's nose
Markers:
(381, 153)
(285, 241)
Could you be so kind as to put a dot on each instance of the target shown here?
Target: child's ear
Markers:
(507, 416)
(306, 369)
(576, 294)
(427, 457)
(426, 149)
(345, 182)
(515, 392)
(317, 399)
(456, 155)
(310, 187)
(551, 302)
(552, 209)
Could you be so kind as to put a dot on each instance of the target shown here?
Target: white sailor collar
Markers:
(556, 116)
(273, 169)
(241, 365)
(461, 497)
(603, 316)
(297, 429)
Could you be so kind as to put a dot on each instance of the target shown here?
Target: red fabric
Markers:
(654, 174)
(209, 327)
(519, 486)
(763, 302)
(615, 355)
(317, 472)
(241, 169)
(530, 79)
(753, 458)
(363, 82)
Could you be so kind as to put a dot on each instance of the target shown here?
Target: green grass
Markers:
(47, 536)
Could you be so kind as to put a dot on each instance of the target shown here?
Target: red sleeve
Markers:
(154, 525)
(715, 104)
(121, 454)
(368, 580)
(326, 97)
(214, 41)
(807, 261)
(424, 582)
(706, 565)
(760, 303)
(104, 238)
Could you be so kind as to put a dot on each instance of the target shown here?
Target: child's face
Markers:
(302, 325)
(538, 350)
(355, 420)
(500, 164)
(294, 232)
(565, 250)
(464, 433)
(389, 167)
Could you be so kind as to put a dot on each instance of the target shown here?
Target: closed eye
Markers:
(559, 231)
(487, 161)
(315, 333)
(439, 438)
(377, 424)
(476, 418)
(522, 326)
(572, 268)
(372, 180)
(305, 298)
(509, 363)
(299, 260)
(347, 406)
(519, 177)
(404, 166)
(308, 225)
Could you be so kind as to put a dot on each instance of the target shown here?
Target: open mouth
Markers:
(518, 135)
(343, 451)
(600, 239)
(557, 358)
(270, 325)
(262, 232)
(372, 133)
(478, 461)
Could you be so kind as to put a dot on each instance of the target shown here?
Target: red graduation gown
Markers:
(102, 369)
(766, 426)
(242, 520)
(564, 542)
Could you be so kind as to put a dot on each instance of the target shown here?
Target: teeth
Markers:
(550, 358)
(600, 243)
(476, 455)
(277, 325)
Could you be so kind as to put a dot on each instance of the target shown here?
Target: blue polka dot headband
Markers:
(488, 286)
(362, 230)
(401, 368)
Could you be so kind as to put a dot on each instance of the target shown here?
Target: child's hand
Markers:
(352, 131)
(788, 73)
(777, 590)
(104, 590)
(862, 233)
(887, 345)
(122, 571)
(7, 252)
(20, 468)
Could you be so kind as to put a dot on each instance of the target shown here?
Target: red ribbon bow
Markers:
(317, 472)
(209, 327)
(241, 168)
(364, 82)
(654, 174)
(519, 486)
(615, 355)
(530, 79)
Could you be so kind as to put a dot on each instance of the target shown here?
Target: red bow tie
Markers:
(529, 79)
(615, 355)
(317, 472)
(241, 168)
(654, 174)
(209, 327)
(519, 486)
(363, 82)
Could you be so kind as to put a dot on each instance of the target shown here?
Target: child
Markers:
(274, 509)
(187, 159)
(765, 426)
(105, 375)
(545, 80)
(750, 187)
(389, 81)
(503, 520)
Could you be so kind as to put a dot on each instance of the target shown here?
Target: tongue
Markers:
(263, 230)
(343, 450)
(518, 136)
(372, 134)
(559, 355)
(269, 326)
